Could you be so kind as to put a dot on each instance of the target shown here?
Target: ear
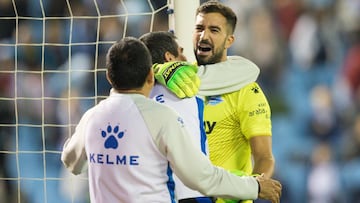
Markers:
(150, 78)
(107, 77)
(229, 41)
(168, 57)
(149, 83)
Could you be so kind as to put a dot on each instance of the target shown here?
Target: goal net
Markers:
(52, 69)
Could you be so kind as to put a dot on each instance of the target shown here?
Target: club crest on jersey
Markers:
(111, 135)
(255, 89)
(213, 100)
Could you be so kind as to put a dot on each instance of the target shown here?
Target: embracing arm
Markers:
(194, 169)
(215, 181)
(190, 165)
(202, 175)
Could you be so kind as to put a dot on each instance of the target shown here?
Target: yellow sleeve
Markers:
(255, 111)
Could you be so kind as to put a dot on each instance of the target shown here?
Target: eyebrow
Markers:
(210, 26)
(215, 26)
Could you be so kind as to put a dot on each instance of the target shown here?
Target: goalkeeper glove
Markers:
(179, 77)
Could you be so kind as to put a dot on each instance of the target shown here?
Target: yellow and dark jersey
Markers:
(230, 121)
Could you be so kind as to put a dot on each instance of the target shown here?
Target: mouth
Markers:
(204, 49)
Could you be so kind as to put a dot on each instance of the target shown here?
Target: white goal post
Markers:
(182, 22)
(52, 69)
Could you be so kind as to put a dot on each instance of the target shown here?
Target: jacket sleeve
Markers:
(193, 168)
(73, 155)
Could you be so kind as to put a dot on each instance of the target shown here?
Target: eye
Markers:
(199, 28)
(215, 30)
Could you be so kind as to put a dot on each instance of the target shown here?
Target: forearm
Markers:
(264, 161)
(264, 165)
(209, 180)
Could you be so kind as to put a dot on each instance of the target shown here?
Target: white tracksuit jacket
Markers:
(130, 143)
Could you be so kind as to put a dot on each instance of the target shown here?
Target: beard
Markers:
(215, 57)
(206, 60)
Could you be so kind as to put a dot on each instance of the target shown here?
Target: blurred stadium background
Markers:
(52, 70)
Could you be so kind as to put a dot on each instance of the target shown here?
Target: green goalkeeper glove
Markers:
(179, 77)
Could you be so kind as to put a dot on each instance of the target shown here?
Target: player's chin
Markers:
(202, 59)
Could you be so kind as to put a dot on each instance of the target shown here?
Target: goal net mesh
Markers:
(52, 69)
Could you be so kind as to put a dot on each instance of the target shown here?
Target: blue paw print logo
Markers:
(112, 135)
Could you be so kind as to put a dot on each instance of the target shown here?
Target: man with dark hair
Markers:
(164, 48)
(237, 112)
(129, 143)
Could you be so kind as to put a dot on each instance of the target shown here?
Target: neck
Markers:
(133, 91)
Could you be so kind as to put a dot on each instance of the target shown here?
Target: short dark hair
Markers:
(128, 63)
(159, 43)
(217, 7)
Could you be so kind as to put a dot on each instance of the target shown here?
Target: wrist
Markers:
(257, 180)
(259, 188)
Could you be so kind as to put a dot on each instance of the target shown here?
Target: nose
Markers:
(203, 35)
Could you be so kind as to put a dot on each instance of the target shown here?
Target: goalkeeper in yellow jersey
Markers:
(237, 116)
